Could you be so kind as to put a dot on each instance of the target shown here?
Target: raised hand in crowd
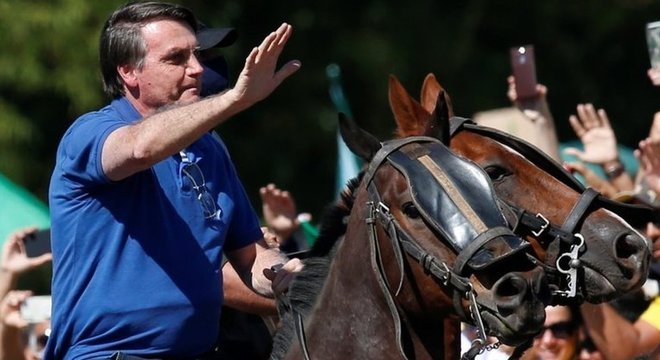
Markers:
(600, 145)
(282, 218)
(534, 103)
(279, 211)
(594, 180)
(648, 155)
(654, 75)
(14, 260)
(537, 110)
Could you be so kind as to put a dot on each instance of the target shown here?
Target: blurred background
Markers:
(586, 51)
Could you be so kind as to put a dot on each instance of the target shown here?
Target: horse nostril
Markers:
(509, 293)
(510, 286)
(628, 245)
(628, 251)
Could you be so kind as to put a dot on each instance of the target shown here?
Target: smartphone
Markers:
(36, 309)
(37, 243)
(523, 67)
(653, 43)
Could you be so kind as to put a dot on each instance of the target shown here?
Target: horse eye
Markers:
(496, 173)
(411, 210)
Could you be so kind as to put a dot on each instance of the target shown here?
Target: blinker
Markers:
(457, 201)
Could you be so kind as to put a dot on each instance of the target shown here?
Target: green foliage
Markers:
(586, 51)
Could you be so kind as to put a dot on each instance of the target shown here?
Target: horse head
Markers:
(590, 250)
(440, 242)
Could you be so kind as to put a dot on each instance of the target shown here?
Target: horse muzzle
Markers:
(516, 309)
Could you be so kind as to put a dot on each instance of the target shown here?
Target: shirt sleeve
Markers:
(652, 314)
(82, 146)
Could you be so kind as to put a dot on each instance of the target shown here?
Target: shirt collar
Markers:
(125, 109)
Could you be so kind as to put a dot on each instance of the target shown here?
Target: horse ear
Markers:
(409, 115)
(439, 121)
(360, 142)
(431, 90)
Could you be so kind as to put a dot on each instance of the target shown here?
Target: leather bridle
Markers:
(455, 277)
(566, 238)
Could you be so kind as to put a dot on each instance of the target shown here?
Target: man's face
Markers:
(171, 73)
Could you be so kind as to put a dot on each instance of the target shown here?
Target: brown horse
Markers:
(425, 243)
(590, 250)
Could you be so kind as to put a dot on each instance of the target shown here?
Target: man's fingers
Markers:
(265, 44)
(283, 34)
(284, 275)
(251, 59)
(287, 70)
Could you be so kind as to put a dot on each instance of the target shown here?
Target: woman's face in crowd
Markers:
(558, 339)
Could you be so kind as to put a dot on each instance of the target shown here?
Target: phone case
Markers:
(36, 309)
(524, 71)
(653, 43)
(37, 243)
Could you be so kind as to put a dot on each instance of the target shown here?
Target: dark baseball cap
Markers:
(208, 37)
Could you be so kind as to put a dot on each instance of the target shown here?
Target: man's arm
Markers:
(238, 296)
(251, 261)
(136, 147)
(617, 337)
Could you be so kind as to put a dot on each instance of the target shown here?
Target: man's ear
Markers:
(128, 74)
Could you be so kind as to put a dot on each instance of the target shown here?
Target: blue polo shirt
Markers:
(136, 264)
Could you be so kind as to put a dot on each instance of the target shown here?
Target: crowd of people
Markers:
(150, 181)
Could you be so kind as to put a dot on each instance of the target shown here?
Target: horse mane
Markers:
(302, 294)
(334, 220)
(308, 283)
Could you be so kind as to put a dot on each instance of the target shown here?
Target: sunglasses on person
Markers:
(588, 346)
(560, 330)
(194, 174)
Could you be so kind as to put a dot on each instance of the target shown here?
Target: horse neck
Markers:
(352, 308)
(351, 318)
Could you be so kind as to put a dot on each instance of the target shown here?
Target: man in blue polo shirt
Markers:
(144, 200)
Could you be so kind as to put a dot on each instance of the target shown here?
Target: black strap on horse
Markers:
(471, 251)
(636, 215)
(570, 242)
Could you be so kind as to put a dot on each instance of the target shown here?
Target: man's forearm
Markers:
(265, 259)
(238, 296)
(133, 148)
(612, 334)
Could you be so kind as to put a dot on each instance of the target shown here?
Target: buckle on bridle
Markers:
(382, 208)
(543, 227)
